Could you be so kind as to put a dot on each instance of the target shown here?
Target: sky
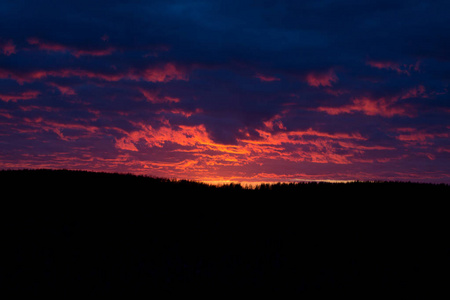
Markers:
(218, 91)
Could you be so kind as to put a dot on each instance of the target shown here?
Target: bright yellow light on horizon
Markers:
(253, 184)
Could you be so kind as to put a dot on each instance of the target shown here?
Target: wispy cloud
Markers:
(7, 47)
(317, 79)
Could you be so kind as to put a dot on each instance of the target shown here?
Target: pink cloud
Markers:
(421, 137)
(21, 96)
(65, 90)
(384, 106)
(299, 146)
(321, 79)
(28, 76)
(266, 78)
(415, 92)
(179, 111)
(7, 48)
(49, 46)
(371, 107)
(65, 131)
(399, 68)
(164, 73)
(155, 97)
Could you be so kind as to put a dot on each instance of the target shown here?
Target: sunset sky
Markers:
(243, 91)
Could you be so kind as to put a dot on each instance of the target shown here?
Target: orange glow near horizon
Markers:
(184, 102)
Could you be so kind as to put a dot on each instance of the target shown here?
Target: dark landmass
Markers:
(67, 233)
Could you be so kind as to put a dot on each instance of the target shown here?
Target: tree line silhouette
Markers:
(68, 233)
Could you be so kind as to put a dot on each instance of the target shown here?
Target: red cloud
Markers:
(155, 97)
(414, 136)
(7, 48)
(385, 106)
(177, 111)
(371, 107)
(162, 73)
(28, 76)
(266, 77)
(415, 92)
(72, 131)
(194, 144)
(321, 79)
(49, 46)
(186, 136)
(274, 123)
(401, 69)
(65, 90)
(22, 96)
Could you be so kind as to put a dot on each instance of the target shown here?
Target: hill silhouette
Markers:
(68, 233)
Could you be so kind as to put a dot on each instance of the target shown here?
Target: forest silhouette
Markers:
(67, 233)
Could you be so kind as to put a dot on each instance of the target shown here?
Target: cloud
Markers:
(27, 95)
(67, 131)
(155, 97)
(415, 92)
(185, 136)
(317, 79)
(387, 106)
(7, 48)
(164, 73)
(250, 89)
(412, 136)
(57, 47)
(266, 78)
(64, 90)
(399, 68)
(296, 146)
(371, 107)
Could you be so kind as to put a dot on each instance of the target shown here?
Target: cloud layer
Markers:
(237, 90)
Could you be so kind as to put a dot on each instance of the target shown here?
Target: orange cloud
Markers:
(193, 153)
(367, 106)
(179, 111)
(295, 137)
(194, 142)
(309, 145)
(186, 136)
(155, 97)
(274, 122)
(384, 106)
(321, 79)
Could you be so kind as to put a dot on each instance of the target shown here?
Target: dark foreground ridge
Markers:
(68, 233)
